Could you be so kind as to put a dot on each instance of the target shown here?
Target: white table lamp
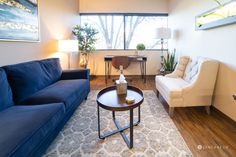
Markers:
(163, 33)
(68, 46)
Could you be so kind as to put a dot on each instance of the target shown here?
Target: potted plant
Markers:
(140, 47)
(169, 63)
(86, 36)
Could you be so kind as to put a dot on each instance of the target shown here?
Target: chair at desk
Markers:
(121, 63)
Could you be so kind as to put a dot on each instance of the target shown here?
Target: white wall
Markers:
(97, 65)
(218, 43)
(124, 6)
(57, 19)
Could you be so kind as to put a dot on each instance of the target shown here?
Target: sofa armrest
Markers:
(75, 74)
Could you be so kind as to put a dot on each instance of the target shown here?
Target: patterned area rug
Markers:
(155, 136)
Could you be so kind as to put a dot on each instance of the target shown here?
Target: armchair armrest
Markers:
(172, 75)
(75, 74)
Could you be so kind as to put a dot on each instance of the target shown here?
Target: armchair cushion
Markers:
(192, 70)
(75, 74)
(182, 66)
(171, 86)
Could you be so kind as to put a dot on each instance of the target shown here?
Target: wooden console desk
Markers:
(134, 58)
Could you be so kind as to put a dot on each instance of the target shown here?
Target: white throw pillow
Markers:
(191, 70)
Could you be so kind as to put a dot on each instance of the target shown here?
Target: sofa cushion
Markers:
(67, 91)
(6, 99)
(24, 127)
(27, 78)
(52, 69)
(171, 86)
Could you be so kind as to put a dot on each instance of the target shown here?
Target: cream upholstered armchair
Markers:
(191, 84)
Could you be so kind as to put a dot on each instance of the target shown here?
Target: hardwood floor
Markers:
(206, 135)
(98, 82)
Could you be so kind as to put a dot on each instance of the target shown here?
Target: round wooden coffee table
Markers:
(109, 100)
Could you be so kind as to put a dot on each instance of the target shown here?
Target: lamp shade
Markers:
(68, 45)
(163, 33)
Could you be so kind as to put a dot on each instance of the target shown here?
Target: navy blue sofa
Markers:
(36, 100)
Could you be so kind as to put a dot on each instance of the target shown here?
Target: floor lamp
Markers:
(163, 33)
(68, 46)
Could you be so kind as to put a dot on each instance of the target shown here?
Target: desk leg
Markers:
(141, 69)
(109, 70)
(145, 71)
(106, 72)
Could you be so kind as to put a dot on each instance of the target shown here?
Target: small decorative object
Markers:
(169, 63)
(121, 85)
(130, 100)
(224, 14)
(163, 33)
(140, 47)
(86, 36)
(19, 20)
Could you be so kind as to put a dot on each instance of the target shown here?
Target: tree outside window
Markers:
(124, 32)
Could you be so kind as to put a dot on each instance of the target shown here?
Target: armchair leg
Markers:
(157, 93)
(171, 111)
(208, 110)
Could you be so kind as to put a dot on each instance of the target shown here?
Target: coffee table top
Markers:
(110, 100)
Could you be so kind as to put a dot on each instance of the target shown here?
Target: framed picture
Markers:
(224, 14)
(19, 20)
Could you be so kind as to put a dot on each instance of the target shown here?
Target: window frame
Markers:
(124, 20)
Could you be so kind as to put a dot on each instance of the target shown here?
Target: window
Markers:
(125, 31)
(111, 30)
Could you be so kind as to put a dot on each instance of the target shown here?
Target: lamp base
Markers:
(84, 61)
(162, 69)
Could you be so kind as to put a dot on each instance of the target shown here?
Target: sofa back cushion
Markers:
(30, 77)
(5, 91)
(52, 69)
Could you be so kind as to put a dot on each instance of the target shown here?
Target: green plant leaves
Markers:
(169, 62)
(140, 47)
(86, 36)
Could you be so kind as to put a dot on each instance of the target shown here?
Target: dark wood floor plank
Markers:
(216, 133)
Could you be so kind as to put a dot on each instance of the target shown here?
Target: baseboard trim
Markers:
(223, 115)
